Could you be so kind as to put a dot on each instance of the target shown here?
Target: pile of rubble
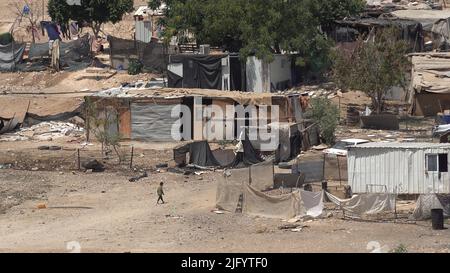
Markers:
(45, 131)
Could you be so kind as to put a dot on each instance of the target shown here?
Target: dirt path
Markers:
(106, 213)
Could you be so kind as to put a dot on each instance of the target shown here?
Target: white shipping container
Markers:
(403, 168)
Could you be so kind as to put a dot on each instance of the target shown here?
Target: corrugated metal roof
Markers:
(402, 145)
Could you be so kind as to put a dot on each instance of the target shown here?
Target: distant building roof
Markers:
(402, 145)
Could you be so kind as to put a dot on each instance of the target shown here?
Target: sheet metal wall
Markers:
(151, 122)
(396, 168)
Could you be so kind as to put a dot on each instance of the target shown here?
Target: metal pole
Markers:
(339, 169)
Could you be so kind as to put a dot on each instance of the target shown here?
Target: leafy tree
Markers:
(374, 67)
(93, 12)
(326, 115)
(260, 27)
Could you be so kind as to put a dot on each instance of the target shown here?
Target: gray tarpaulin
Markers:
(69, 51)
(365, 204)
(10, 55)
(427, 202)
(152, 122)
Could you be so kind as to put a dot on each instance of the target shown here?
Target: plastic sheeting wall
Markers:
(10, 55)
(259, 204)
(230, 188)
(262, 175)
(401, 171)
(365, 204)
(151, 122)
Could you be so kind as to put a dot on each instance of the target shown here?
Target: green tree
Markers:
(374, 67)
(93, 12)
(326, 115)
(260, 27)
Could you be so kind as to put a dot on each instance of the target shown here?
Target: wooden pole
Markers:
(79, 161)
(132, 155)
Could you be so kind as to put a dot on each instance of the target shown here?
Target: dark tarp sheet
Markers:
(174, 81)
(200, 71)
(150, 54)
(33, 119)
(200, 154)
(70, 52)
(249, 157)
(236, 74)
(8, 125)
(8, 59)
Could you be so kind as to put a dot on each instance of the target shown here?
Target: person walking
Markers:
(160, 192)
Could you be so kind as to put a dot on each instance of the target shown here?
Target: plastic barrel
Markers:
(437, 219)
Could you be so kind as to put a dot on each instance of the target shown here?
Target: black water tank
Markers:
(437, 219)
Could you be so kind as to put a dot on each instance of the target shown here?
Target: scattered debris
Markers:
(41, 206)
(45, 131)
(93, 165)
(137, 178)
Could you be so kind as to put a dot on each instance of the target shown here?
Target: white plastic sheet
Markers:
(365, 204)
(426, 202)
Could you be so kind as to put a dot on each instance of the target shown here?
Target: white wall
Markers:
(254, 72)
(261, 76)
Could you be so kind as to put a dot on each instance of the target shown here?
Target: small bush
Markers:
(135, 67)
(400, 249)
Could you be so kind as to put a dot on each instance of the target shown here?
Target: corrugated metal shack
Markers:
(145, 114)
(403, 168)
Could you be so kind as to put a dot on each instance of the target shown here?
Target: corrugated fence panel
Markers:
(152, 122)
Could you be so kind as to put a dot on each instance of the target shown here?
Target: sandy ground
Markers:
(106, 213)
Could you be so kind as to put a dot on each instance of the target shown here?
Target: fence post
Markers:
(79, 161)
(132, 154)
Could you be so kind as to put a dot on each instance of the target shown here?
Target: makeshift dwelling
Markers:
(151, 54)
(226, 72)
(196, 71)
(399, 168)
(429, 93)
(30, 111)
(146, 114)
(434, 23)
(349, 30)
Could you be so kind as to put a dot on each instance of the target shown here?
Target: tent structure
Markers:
(430, 83)
(200, 154)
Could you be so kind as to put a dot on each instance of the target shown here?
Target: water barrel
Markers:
(437, 219)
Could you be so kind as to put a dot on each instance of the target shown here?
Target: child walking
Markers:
(160, 193)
